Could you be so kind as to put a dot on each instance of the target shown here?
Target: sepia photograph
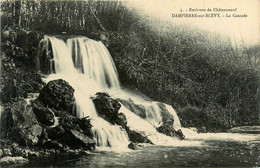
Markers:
(130, 83)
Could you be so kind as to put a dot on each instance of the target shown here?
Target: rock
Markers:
(137, 137)
(121, 120)
(20, 124)
(22, 115)
(13, 160)
(167, 130)
(7, 152)
(180, 134)
(68, 122)
(55, 133)
(44, 115)
(77, 140)
(167, 118)
(135, 146)
(138, 109)
(167, 121)
(85, 125)
(106, 107)
(58, 94)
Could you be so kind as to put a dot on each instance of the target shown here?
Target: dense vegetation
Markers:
(210, 81)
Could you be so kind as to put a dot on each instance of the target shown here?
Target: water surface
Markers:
(210, 150)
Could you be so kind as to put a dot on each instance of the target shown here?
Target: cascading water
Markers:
(88, 67)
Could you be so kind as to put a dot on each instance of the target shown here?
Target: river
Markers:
(203, 150)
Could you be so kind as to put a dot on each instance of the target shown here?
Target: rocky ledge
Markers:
(46, 125)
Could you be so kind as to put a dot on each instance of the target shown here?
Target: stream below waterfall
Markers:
(210, 150)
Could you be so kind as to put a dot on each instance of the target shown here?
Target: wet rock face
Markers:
(167, 118)
(167, 122)
(138, 109)
(57, 94)
(106, 107)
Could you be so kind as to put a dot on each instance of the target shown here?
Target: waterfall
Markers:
(93, 59)
(88, 67)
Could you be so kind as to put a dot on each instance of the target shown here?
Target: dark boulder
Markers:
(167, 121)
(179, 134)
(55, 133)
(58, 94)
(106, 107)
(138, 109)
(85, 125)
(137, 137)
(44, 115)
(75, 140)
(167, 130)
(121, 120)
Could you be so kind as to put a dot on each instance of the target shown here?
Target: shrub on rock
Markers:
(138, 109)
(75, 139)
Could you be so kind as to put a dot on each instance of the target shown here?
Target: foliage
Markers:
(185, 66)
(18, 76)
